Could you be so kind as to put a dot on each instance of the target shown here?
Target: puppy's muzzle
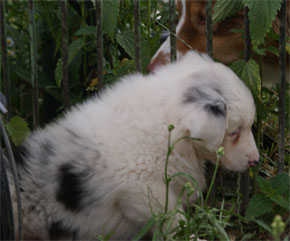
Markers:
(253, 163)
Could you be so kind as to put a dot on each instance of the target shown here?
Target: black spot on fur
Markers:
(58, 231)
(31, 208)
(218, 109)
(71, 188)
(21, 155)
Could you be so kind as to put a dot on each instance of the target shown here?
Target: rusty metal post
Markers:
(245, 176)
(64, 54)
(14, 173)
(99, 28)
(137, 24)
(33, 58)
(209, 49)
(172, 23)
(6, 209)
(4, 60)
(282, 70)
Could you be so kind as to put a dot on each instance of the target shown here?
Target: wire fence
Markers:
(7, 217)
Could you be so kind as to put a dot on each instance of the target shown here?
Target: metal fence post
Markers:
(172, 23)
(99, 28)
(33, 57)
(64, 54)
(209, 49)
(282, 90)
(6, 79)
(245, 176)
(137, 23)
(15, 177)
(6, 219)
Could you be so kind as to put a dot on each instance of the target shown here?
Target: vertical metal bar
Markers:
(64, 47)
(282, 70)
(6, 217)
(15, 177)
(99, 27)
(6, 79)
(137, 23)
(33, 57)
(247, 56)
(209, 49)
(208, 30)
(172, 27)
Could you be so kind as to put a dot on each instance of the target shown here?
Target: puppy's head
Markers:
(220, 111)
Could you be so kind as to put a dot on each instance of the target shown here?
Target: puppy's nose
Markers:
(253, 163)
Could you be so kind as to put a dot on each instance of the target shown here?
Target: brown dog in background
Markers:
(228, 46)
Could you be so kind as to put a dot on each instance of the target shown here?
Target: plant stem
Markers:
(166, 171)
(212, 180)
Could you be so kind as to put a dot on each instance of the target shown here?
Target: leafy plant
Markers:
(249, 72)
(274, 192)
(197, 220)
(224, 9)
(17, 129)
(261, 15)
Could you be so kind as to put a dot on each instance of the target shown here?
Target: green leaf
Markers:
(127, 41)
(263, 50)
(17, 129)
(145, 229)
(249, 72)
(261, 15)
(58, 72)
(288, 48)
(258, 205)
(265, 185)
(110, 16)
(226, 8)
(281, 201)
(22, 73)
(248, 236)
(281, 183)
(73, 49)
(87, 30)
(263, 225)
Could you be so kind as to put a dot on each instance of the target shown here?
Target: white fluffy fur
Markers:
(118, 144)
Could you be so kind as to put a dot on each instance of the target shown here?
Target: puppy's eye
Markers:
(236, 132)
(235, 135)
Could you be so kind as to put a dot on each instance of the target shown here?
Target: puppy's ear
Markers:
(207, 117)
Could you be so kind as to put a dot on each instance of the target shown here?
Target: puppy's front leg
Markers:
(138, 204)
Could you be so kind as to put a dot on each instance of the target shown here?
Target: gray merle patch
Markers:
(208, 97)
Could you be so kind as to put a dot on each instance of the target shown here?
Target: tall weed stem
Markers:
(220, 153)
(167, 180)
